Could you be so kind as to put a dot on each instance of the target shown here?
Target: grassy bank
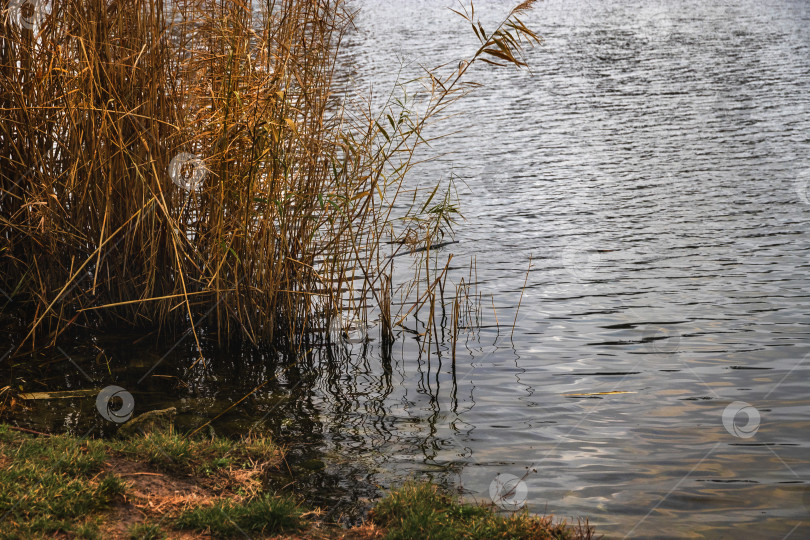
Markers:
(166, 486)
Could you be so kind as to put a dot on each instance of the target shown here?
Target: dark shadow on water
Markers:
(323, 405)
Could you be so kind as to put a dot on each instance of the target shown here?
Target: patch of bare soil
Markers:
(151, 496)
(155, 496)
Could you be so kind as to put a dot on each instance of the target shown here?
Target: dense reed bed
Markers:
(185, 166)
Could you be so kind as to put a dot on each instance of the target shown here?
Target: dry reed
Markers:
(183, 166)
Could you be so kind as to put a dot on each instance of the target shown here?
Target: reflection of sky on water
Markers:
(648, 163)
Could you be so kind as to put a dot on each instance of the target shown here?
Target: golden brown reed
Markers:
(286, 229)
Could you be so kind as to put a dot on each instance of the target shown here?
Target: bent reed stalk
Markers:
(184, 165)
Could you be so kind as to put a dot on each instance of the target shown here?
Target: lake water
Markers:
(654, 164)
(653, 167)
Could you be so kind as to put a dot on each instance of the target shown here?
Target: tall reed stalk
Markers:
(183, 166)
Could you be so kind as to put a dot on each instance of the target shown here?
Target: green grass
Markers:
(48, 484)
(89, 530)
(175, 453)
(421, 510)
(178, 454)
(51, 485)
(57, 486)
(146, 531)
(266, 514)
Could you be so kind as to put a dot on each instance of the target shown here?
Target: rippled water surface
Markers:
(653, 167)
(654, 164)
